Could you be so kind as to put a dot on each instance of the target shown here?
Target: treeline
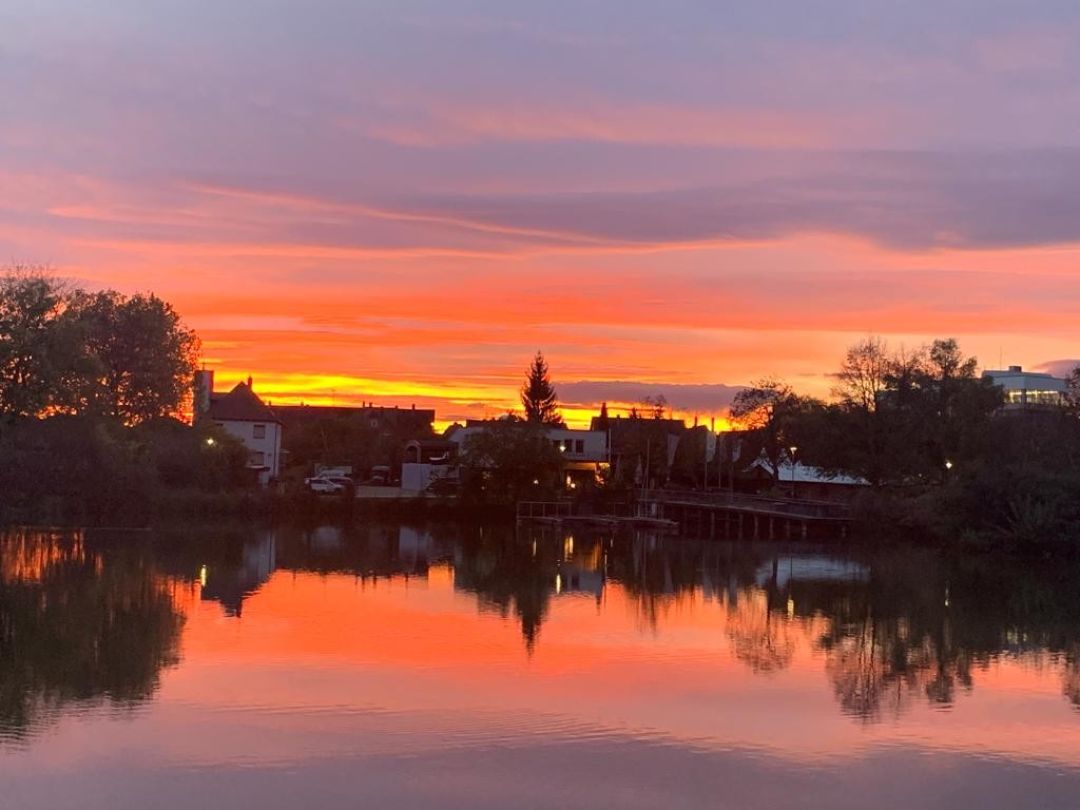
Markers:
(930, 437)
(91, 387)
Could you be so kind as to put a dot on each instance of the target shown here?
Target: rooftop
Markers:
(241, 404)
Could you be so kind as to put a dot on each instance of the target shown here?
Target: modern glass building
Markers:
(1025, 389)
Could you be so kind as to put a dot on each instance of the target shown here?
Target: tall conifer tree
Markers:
(538, 394)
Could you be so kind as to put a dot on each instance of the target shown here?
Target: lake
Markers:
(471, 667)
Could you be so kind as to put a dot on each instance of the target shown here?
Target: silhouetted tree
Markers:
(538, 394)
(766, 409)
(901, 416)
(36, 350)
(864, 374)
(656, 405)
(61, 351)
(509, 462)
(1072, 391)
(142, 356)
(603, 421)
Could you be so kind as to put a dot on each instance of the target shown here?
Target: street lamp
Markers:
(210, 441)
(791, 456)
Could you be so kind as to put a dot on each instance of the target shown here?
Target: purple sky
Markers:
(406, 199)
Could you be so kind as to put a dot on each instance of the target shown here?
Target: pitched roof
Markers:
(805, 474)
(240, 405)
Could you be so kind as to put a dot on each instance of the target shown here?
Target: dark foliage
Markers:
(538, 394)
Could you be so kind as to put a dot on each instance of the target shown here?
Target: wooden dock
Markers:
(564, 512)
(707, 514)
(754, 517)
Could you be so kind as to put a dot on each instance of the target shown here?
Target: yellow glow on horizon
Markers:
(451, 402)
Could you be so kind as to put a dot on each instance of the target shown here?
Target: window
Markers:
(579, 445)
(256, 458)
(556, 444)
(259, 432)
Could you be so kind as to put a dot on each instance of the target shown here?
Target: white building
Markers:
(243, 415)
(577, 446)
(806, 482)
(584, 453)
(1024, 389)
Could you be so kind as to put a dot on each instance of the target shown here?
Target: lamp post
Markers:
(791, 456)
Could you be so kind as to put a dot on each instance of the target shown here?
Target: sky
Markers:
(400, 202)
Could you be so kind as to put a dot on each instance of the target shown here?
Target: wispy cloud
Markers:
(381, 192)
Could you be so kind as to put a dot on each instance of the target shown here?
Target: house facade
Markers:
(576, 446)
(584, 453)
(244, 416)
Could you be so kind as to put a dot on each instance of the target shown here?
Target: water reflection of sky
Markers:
(446, 669)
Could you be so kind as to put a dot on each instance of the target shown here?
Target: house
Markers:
(377, 436)
(428, 461)
(244, 416)
(584, 452)
(383, 419)
(577, 446)
(641, 449)
(1028, 389)
(804, 481)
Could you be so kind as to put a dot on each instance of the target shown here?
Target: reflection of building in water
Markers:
(370, 551)
(580, 572)
(326, 539)
(414, 544)
(231, 586)
(810, 568)
(573, 579)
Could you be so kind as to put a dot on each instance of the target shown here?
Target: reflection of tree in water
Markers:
(924, 624)
(762, 638)
(74, 627)
(897, 627)
(1071, 681)
(510, 574)
(877, 666)
(658, 574)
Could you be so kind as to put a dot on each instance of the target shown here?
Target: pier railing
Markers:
(531, 510)
(825, 510)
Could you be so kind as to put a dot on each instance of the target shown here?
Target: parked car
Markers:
(324, 486)
(380, 476)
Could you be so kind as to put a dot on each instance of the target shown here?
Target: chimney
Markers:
(249, 382)
(1015, 369)
(204, 387)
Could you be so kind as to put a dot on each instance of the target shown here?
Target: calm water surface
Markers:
(461, 668)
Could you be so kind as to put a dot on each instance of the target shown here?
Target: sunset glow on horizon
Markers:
(400, 203)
